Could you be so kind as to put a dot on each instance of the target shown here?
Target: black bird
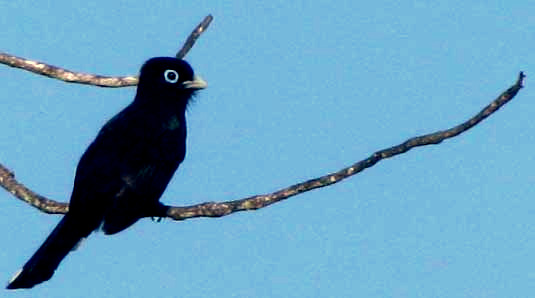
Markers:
(123, 173)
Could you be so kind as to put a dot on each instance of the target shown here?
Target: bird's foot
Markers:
(159, 212)
(156, 219)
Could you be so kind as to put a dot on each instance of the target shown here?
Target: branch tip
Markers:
(194, 35)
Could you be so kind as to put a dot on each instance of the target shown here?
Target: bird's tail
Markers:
(46, 259)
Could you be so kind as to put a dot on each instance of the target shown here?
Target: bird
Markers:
(125, 170)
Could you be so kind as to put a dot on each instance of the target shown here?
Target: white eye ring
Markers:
(170, 76)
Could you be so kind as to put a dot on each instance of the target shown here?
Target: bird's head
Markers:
(167, 78)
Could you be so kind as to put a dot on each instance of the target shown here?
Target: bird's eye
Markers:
(171, 76)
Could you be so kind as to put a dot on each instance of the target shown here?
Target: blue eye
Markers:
(171, 76)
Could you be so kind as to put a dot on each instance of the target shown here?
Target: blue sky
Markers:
(296, 90)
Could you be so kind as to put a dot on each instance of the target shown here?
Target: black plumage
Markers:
(123, 173)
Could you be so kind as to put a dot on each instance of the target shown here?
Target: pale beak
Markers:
(196, 83)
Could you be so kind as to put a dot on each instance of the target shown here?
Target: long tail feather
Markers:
(46, 259)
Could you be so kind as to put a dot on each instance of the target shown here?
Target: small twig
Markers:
(213, 209)
(195, 34)
(92, 79)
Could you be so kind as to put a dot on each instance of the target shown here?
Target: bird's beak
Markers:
(196, 83)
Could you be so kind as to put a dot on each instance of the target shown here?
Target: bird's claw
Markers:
(156, 219)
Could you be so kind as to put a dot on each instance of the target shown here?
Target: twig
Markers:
(213, 209)
(194, 35)
(92, 79)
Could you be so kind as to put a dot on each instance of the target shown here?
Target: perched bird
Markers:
(123, 173)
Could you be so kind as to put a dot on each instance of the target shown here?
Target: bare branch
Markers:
(213, 209)
(194, 35)
(69, 76)
(9, 183)
(64, 74)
